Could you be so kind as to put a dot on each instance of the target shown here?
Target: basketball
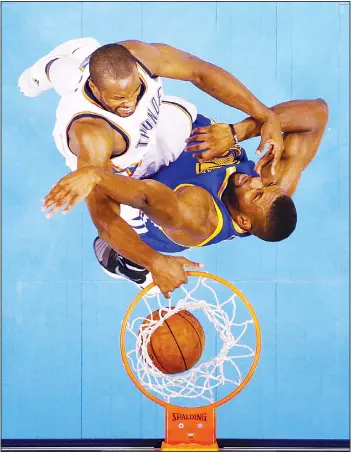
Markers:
(177, 344)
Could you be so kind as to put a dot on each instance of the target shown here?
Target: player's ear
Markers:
(93, 88)
(244, 222)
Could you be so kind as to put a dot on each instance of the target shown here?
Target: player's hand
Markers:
(271, 136)
(210, 142)
(70, 190)
(264, 160)
(168, 272)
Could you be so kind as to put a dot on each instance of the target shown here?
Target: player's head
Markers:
(114, 79)
(263, 209)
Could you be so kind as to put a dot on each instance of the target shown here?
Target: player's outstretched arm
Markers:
(166, 61)
(172, 211)
(94, 145)
(303, 123)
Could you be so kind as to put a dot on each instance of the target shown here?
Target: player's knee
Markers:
(65, 75)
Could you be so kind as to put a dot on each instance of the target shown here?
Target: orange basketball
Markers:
(177, 344)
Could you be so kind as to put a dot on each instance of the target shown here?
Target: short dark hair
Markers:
(110, 62)
(280, 222)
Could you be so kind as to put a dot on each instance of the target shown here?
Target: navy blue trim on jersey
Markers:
(90, 94)
(149, 73)
(180, 106)
(111, 124)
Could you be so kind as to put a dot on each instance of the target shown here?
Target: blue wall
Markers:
(62, 373)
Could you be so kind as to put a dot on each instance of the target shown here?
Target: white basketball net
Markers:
(203, 379)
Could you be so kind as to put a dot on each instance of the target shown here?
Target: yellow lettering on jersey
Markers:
(216, 163)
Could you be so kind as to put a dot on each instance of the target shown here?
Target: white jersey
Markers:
(138, 130)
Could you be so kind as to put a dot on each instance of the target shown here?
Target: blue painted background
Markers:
(62, 373)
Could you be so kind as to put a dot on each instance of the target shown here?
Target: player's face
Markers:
(255, 196)
(121, 96)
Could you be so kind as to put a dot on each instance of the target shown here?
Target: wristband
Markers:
(235, 136)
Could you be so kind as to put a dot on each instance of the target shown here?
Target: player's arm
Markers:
(304, 123)
(166, 61)
(184, 211)
(93, 143)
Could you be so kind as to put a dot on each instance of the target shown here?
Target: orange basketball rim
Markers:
(191, 428)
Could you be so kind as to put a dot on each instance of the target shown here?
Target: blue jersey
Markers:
(213, 177)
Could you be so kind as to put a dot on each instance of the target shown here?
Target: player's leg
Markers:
(59, 69)
(118, 267)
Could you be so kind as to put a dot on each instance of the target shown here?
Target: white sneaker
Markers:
(118, 267)
(34, 81)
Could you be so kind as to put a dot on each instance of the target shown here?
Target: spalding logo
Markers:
(189, 417)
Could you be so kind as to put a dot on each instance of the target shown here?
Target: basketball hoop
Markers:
(190, 425)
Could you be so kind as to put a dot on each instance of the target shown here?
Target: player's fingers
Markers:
(198, 138)
(57, 189)
(271, 146)
(263, 161)
(199, 130)
(196, 147)
(261, 146)
(60, 198)
(72, 202)
(166, 294)
(188, 263)
(55, 208)
(49, 200)
(276, 160)
(49, 195)
(205, 156)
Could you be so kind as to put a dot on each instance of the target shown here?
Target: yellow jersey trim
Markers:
(229, 172)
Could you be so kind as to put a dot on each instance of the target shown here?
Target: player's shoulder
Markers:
(197, 198)
(92, 127)
(197, 206)
(145, 53)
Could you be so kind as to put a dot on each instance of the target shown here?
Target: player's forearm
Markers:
(105, 214)
(122, 189)
(223, 86)
(153, 198)
(294, 116)
(123, 239)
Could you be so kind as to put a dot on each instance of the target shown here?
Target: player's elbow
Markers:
(321, 113)
(142, 201)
